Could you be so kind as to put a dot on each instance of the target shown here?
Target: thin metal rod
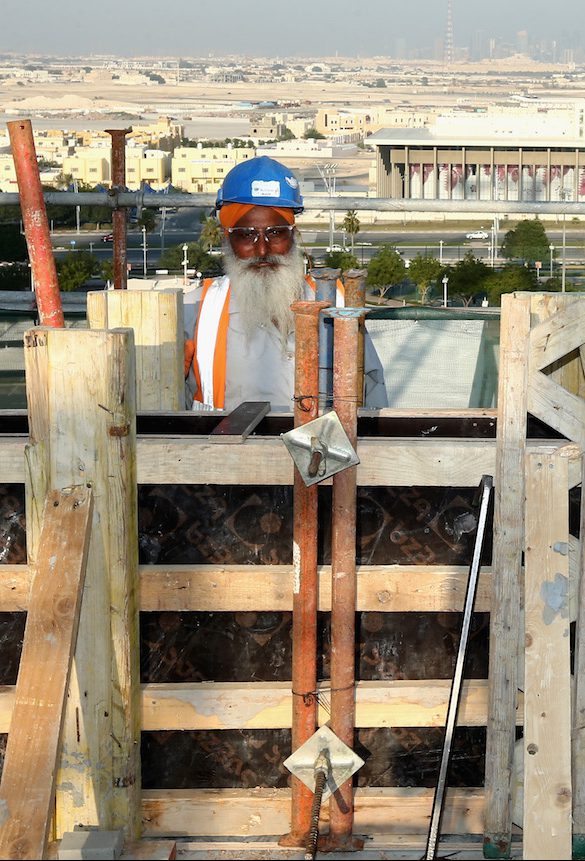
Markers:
(343, 572)
(36, 224)
(305, 578)
(119, 223)
(312, 840)
(485, 490)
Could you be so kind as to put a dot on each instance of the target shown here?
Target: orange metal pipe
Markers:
(343, 574)
(119, 221)
(36, 224)
(305, 584)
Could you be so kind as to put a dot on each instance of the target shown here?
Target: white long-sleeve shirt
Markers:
(259, 368)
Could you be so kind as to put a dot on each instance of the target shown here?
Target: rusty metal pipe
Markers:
(325, 290)
(36, 224)
(119, 223)
(305, 582)
(355, 297)
(343, 574)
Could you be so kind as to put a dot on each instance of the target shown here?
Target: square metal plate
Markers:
(343, 761)
(320, 448)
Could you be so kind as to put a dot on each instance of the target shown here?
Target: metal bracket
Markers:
(320, 448)
(343, 761)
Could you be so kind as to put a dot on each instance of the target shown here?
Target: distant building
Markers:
(203, 169)
(536, 155)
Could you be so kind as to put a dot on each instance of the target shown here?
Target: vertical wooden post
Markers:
(507, 565)
(157, 319)
(82, 427)
(547, 692)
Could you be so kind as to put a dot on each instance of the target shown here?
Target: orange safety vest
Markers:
(218, 320)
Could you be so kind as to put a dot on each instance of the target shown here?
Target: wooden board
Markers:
(239, 424)
(28, 777)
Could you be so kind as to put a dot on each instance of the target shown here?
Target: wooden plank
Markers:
(239, 424)
(578, 714)
(507, 566)
(267, 705)
(557, 407)
(29, 772)
(266, 812)
(559, 334)
(156, 317)
(216, 705)
(403, 462)
(381, 588)
(547, 693)
(82, 426)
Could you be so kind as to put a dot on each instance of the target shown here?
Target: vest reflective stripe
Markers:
(210, 339)
(340, 291)
(210, 353)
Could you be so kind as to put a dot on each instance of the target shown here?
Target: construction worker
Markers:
(239, 327)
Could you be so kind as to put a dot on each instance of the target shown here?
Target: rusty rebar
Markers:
(343, 573)
(36, 224)
(305, 582)
(119, 215)
(355, 297)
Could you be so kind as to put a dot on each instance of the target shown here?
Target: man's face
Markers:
(261, 253)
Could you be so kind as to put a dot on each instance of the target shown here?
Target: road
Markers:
(447, 244)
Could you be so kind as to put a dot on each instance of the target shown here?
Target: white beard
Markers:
(265, 295)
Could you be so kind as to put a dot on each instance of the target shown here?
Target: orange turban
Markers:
(230, 213)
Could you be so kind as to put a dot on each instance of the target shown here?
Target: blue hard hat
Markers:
(261, 181)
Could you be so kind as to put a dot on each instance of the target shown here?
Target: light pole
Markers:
(445, 283)
(185, 262)
(144, 266)
(551, 248)
(441, 251)
(72, 244)
(564, 194)
(328, 176)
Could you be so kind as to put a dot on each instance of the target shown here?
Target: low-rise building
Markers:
(203, 169)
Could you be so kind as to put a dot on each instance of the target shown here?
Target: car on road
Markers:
(331, 248)
(477, 234)
(109, 237)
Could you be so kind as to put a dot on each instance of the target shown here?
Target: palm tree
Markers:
(211, 233)
(351, 225)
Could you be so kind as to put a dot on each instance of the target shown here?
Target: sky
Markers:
(272, 28)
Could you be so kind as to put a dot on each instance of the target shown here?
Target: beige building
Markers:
(147, 165)
(90, 165)
(203, 169)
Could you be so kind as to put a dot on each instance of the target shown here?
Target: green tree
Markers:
(343, 260)
(196, 255)
(385, 269)
(211, 233)
(527, 241)
(467, 277)
(147, 219)
(313, 134)
(351, 225)
(424, 271)
(75, 268)
(511, 279)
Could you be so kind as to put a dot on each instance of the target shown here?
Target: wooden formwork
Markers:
(82, 431)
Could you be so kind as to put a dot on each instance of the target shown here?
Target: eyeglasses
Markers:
(246, 237)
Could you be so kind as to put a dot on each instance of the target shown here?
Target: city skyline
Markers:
(257, 29)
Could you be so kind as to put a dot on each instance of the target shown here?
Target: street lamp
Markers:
(328, 176)
(144, 266)
(445, 283)
(551, 248)
(185, 262)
